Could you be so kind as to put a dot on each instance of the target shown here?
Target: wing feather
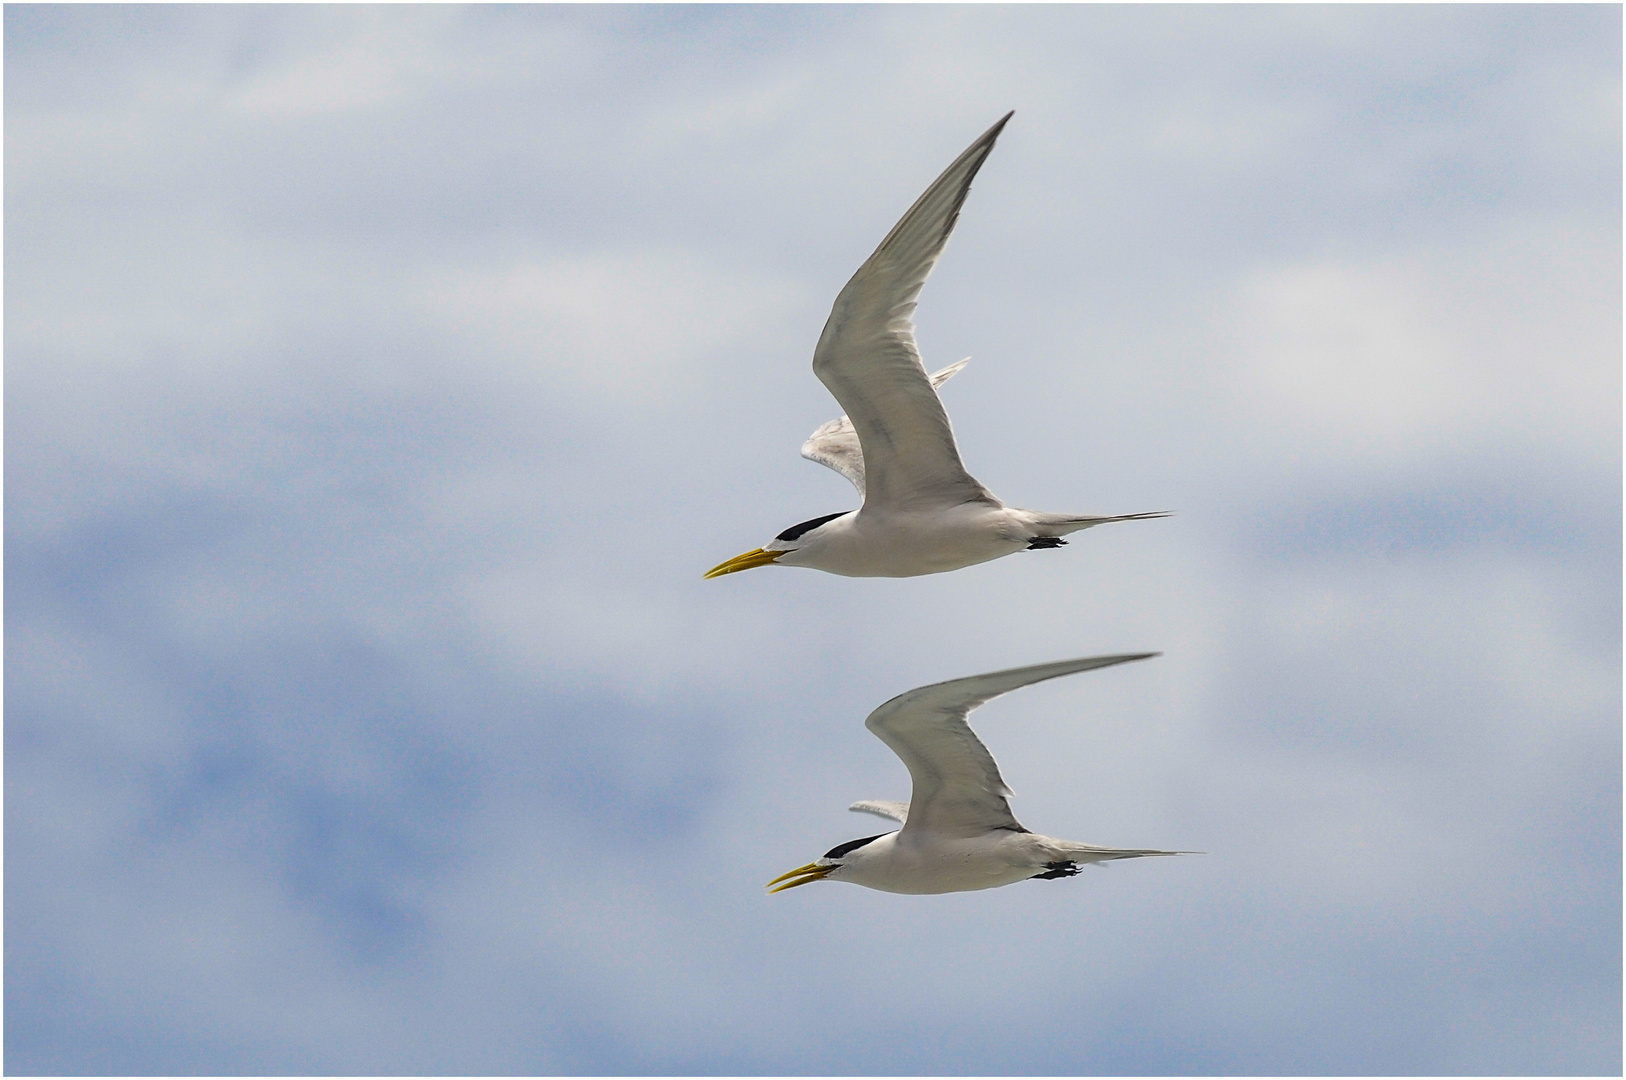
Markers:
(835, 443)
(957, 789)
(868, 359)
(897, 811)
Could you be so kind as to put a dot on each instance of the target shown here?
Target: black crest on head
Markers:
(852, 845)
(795, 531)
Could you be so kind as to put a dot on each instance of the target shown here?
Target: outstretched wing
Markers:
(868, 359)
(957, 787)
(835, 443)
(897, 811)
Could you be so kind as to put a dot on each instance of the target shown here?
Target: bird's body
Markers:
(899, 544)
(908, 541)
(958, 832)
(922, 512)
(897, 863)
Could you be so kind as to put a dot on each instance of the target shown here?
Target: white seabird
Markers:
(958, 831)
(922, 512)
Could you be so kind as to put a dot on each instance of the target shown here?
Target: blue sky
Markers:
(381, 380)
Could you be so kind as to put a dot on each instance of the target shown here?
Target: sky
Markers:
(380, 382)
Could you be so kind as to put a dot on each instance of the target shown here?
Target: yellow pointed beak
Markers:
(802, 874)
(758, 557)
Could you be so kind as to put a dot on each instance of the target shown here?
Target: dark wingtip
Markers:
(981, 148)
(970, 159)
(999, 125)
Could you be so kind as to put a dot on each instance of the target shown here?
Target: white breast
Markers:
(942, 866)
(906, 544)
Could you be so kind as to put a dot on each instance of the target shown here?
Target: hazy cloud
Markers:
(381, 381)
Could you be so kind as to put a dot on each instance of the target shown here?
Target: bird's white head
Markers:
(837, 857)
(792, 539)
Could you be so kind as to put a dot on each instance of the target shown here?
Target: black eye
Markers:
(852, 845)
(795, 531)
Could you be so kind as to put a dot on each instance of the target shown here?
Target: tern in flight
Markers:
(958, 832)
(922, 512)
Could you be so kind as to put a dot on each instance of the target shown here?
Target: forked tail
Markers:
(1062, 524)
(1085, 853)
(1071, 858)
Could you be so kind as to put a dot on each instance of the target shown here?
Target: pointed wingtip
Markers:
(1125, 658)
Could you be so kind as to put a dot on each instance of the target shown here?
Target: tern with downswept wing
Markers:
(958, 831)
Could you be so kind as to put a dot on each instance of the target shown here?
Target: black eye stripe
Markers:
(852, 845)
(795, 531)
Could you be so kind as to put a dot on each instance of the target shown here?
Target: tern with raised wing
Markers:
(922, 513)
(958, 831)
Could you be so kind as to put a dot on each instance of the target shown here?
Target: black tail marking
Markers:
(1058, 870)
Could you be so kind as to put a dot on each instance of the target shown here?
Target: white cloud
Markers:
(634, 327)
(381, 382)
(1514, 336)
(357, 59)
